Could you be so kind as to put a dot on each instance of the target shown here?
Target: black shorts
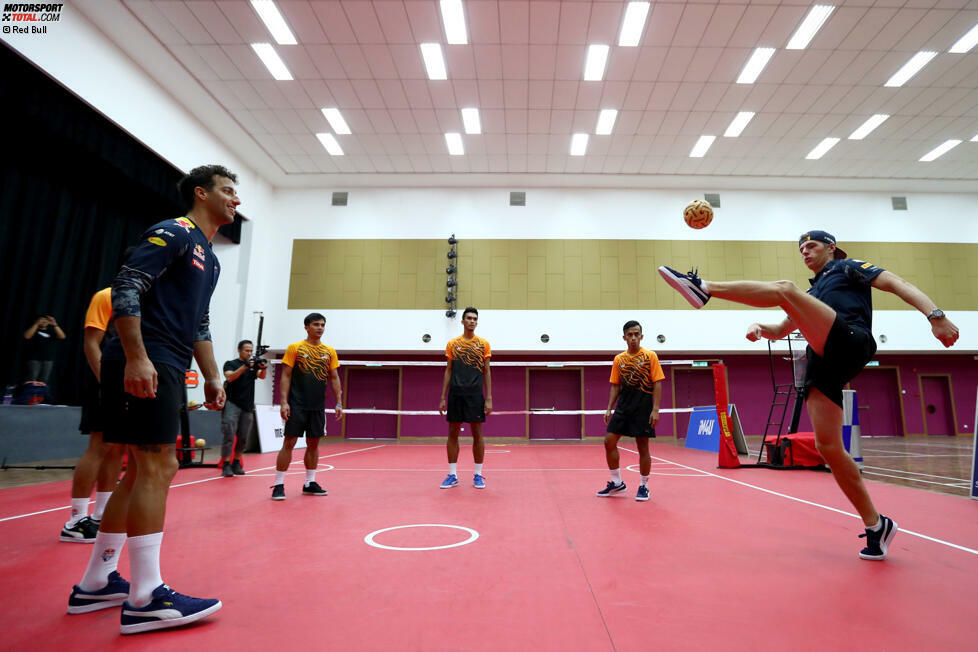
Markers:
(131, 420)
(847, 350)
(631, 424)
(311, 423)
(465, 408)
(92, 419)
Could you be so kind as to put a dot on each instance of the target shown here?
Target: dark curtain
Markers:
(75, 191)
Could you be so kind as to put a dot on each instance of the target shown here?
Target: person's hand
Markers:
(141, 379)
(488, 406)
(251, 363)
(52, 321)
(285, 411)
(214, 396)
(607, 416)
(754, 332)
(654, 418)
(945, 331)
(339, 412)
(442, 406)
(41, 322)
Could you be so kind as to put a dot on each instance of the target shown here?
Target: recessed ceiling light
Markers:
(822, 148)
(270, 58)
(471, 121)
(578, 144)
(940, 150)
(755, 65)
(966, 42)
(597, 56)
(434, 62)
(910, 69)
(454, 142)
(809, 27)
(273, 20)
(329, 142)
(454, 19)
(702, 145)
(606, 121)
(336, 121)
(867, 127)
(738, 123)
(633, 24)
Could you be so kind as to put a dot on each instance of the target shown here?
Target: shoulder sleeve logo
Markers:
(865, 265)
(159, 242)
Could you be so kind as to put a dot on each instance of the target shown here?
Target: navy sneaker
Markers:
(612, 488)
(83, 531)
(278, 492)
(642, 493)
(687, 285)
(479, 482)
(167, 609)
(111, 595)
(313, 489)
(878, 542)
(451, 480)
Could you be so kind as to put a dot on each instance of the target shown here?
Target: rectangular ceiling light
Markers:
(633, 24)
(738, 123)
(975, 139)
(755, 65)
(809, 27)
(454, 19)
(597, 57)
(273, 20)
(454, 142)
(470, 119)
(966, 42)
(940, 150)
(822, 148)
(270, 58)
(867, 127)
(578, 144)
(910, 69)
(606, 121)
(336, 121)
(329, 142)
(702, 145)
(434, 62)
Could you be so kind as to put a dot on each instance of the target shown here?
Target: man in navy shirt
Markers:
(836, 317)
(160, 301)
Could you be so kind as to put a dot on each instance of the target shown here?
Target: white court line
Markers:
(185, 484)
(928, 475)
(956, 485)
(808, 502)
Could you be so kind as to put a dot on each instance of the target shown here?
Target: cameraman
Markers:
(239, 410)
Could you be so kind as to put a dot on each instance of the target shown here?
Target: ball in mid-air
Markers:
(698, 214)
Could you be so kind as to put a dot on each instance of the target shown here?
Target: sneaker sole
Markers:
(166, 624)
(449, 486)
(610, 494)
(96, 606)
(479, 486)
(642, 500)
(307, 494)
(884, 544)
(76, 540)
(278, 497)
(683, 289)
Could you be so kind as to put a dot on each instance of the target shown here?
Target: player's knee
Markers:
(786, 287)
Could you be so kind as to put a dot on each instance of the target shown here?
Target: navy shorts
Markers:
(311, 423)
(847, 350)
(465, 408)
(92, 419)
(136, 421)
(632, 424)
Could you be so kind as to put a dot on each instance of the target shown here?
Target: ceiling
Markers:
(523, 69)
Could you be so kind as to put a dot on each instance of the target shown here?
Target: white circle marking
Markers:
(369, 539)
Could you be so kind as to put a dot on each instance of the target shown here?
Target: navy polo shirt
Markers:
(845, 286)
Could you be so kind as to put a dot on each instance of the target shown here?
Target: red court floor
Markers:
(744, 559)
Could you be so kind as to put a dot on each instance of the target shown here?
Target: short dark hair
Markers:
(311, 317)
(631, 324)
(202, 177)
(468, 310)
(243, 342)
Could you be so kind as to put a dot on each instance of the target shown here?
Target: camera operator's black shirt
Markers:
(845, 285)
(42, 344)
(241, 390)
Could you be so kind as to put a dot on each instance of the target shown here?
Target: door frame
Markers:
(923, 405)
(400, 385)
(899, 388)
(580, 375)
(672, 381)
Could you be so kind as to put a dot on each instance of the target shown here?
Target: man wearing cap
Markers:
(835, 316)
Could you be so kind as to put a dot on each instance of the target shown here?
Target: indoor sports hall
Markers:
(748, 228)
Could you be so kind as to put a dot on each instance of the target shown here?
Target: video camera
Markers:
(258, 359)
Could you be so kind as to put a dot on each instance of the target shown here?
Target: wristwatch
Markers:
(936, 313)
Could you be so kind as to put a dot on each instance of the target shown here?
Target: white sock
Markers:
(478, 469)
(616, 476)
(310, 476)
(105, 559)
(453, 468)
(101, 498)
(280, 477)
(877, 527)
(704, 286)
(144, 566)
(79, 510)
(645, 480)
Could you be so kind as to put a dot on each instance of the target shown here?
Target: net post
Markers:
(728, 458)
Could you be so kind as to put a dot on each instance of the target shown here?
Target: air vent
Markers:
(713, 198)
(340, 198)
(517, 199)
(899, 203)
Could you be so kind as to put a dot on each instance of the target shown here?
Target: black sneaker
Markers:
(878, 542)
(236, 467)
(612, 488)
(278, 492)
(687, 285)
(313, 489)
(226, 471)
(83, 531)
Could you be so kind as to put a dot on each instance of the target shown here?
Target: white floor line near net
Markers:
(506, 363)
(495, 412)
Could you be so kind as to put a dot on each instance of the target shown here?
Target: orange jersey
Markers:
(99, 312)
(468, 358)
(311, 365)
(637, 372)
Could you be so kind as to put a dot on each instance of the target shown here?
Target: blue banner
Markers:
(703, 432)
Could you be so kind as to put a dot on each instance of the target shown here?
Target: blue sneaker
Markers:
(450, 481)
(479, 482)
(689, 285)
(642, 493)
(877, 543)
(167, 609)
(111, 595)
(612, 488)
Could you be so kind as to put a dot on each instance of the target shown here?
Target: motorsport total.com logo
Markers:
(22, 14)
